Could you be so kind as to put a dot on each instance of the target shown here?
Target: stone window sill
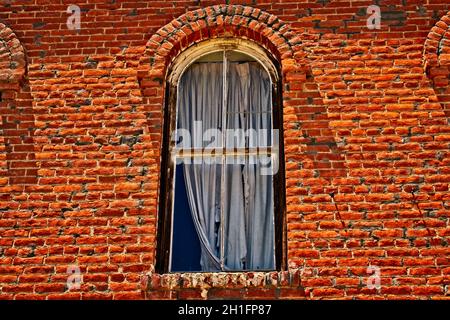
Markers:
(223, 280)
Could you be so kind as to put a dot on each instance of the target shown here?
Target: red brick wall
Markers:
(365, 117)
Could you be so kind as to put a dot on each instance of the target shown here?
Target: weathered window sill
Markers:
(170, 285)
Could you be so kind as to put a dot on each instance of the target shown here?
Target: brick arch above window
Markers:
(12, 59)
(222, 21)
(12, 70)
(437, 61)
(437, 45)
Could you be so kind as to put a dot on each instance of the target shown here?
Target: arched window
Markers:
(221, 194)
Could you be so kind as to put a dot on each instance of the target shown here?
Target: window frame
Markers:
(166, 190)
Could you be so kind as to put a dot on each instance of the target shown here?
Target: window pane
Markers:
(249, 97)
(185, 242)
(202, 185)
(200, 102)
(249, 220)
(247, 212)
(229, 197)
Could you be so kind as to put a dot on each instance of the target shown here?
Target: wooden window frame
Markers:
(166, 194)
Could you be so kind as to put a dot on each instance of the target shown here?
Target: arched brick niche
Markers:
(437, 60)
(12, 70)
(17, 165)
(307, 137)
(12, 59)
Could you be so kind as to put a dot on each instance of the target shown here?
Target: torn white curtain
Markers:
(247, 207)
